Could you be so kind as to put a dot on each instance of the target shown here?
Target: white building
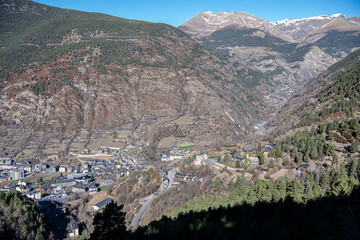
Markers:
(62, 169)
(165, 158)
(175, 156)
(200, 158)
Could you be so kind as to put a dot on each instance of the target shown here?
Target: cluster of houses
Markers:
(246, 157)
(174, 155)
(57, 189)
(78, 180)
(183, 178)
(10, 170)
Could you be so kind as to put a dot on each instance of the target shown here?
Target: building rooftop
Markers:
(103, 203)
(72, 225)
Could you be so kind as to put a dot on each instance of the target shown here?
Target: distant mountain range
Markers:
(276, 57)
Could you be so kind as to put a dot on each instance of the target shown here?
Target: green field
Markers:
(186, 147)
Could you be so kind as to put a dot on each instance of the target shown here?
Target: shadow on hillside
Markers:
(327, 218)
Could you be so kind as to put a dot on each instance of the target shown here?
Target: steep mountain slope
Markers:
(336, 34)
(300, 29)
(333, 95)
(69, 79)
(276, 57)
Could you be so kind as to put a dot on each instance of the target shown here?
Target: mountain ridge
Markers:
(280, 56)
(71, 78)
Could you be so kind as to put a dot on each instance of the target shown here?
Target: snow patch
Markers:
(291, 21)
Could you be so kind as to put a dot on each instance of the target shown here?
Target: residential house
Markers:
(240, 160)
(199, 159)
(303, 168)
(4, 159)
(73, 229)
(101, 204)
(86, 151)
(186, 177)
(85, 166)
(164, 173)
(175, 156)
(64, 183)
(70, 169)
(16, 174)
(4, 178)
(201, 156)
(9, 187)
(55, 169)
(23, 182)
(254, 160)
(122, 174)
(38, 195)
(27, 167)
(253, 150)
(92, 188)
(105, 150)
(78, 188)
(62, 169)
(106, 182)
(165, 158)
(6, 166)
(21, 188)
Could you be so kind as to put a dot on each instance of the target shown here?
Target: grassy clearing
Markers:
(103, 142)
(186, 147)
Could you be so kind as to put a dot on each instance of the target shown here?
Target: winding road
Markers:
(148, 200)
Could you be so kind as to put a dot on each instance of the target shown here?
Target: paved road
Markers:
(147, 201)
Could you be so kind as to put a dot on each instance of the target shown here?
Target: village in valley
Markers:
(100, 174)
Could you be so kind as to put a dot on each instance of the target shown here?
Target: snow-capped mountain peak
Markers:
(205, 23)
(291, 21)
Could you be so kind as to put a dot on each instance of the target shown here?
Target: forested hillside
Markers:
(333, 216)
(73, 74)
(333, 95)
(20, 218)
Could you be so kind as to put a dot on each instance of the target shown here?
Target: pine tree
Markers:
(261, 157)
(335, 159)
(313, 152)
(280, 189)
(308, 192)
(352, 167)
(217, 184)
(278, 153)
(286, 162)
(324, 180)
(298, 190)
(354, 146)
(341, 187)
(110, 223)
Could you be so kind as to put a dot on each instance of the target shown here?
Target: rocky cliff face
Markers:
(276, 57)
(118, 82)
(301, 29)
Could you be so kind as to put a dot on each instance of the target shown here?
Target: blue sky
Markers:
(177, 12)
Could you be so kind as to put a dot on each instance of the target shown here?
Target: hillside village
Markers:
(58, 183)
(111, 127)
